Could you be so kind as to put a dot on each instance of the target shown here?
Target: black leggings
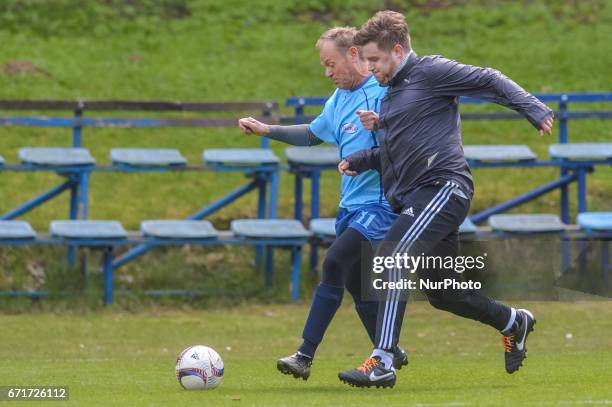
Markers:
(342, 264)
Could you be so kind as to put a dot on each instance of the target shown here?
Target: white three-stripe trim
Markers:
(413, 233)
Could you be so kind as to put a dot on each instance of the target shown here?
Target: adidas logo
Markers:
(431, 159)
(409, 212)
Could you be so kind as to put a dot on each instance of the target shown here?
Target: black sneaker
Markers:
(371, 373)
(400, 358)
(297, 365)
(515, 344)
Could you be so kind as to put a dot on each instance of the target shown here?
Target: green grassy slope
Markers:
(236, 50)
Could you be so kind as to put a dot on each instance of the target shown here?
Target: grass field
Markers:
(119, 358)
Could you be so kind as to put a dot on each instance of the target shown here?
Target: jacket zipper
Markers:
(385, 147)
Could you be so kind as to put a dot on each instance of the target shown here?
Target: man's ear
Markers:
(399, 51)
(354, 54)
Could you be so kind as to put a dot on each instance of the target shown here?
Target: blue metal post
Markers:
(314, 203)
(566, 245)
(269, 266)
(83, 213)
(84, 196)
(298, 196)
(605, 258)
(583, 245)
(314, 214)
(565, 217)
(265, 142)
(563, 136)
(274, 181)
(73, 214)
(261, 214)
(299, 113)
(296, 266)
(582, 206)
(563, 125)
(77, 130)
(269, 262)
(107, 269)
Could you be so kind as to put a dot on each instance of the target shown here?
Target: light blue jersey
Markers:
(339, 124)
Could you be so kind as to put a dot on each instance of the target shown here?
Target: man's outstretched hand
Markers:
(248, 125)
(547, 125)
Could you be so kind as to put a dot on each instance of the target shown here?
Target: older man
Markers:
(364, 215)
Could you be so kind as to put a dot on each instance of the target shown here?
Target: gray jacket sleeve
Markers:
(449, 77)
(364, 160)
(298, 135)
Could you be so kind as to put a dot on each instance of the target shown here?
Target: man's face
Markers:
(382, 63)
(338, 66)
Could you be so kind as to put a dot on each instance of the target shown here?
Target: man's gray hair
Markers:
(342, 37)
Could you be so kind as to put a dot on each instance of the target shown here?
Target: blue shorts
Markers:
(372, 221)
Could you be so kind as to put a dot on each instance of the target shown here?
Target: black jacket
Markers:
(420, 128)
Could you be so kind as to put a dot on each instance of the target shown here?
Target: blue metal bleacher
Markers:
(146, 158)
(261, 166)
(16, 230)
(527, 223)
(108, 235)
(179, 229)
(480, 154)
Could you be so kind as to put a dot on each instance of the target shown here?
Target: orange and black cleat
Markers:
(371, 373)
(515, 344)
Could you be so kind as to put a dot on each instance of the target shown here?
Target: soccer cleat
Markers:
(297, 365)
(400, 357)
(371, 373)
(515, 344)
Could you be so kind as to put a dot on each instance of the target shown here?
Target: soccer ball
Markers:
(199, 368)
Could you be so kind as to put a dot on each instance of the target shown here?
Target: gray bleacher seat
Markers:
(269, 228)
(313, 155)
(147, 157)
(240, 156)
(324, 227)
(16, 229)
(597, 221)
(56, 156)
(581, 151)
(512, 152)
(467, 227)
(87, 229)
(526, 223)
(179, 229)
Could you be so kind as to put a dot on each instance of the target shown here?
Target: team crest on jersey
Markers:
(349, 128)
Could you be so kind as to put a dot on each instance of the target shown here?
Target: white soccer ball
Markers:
(199, 368)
